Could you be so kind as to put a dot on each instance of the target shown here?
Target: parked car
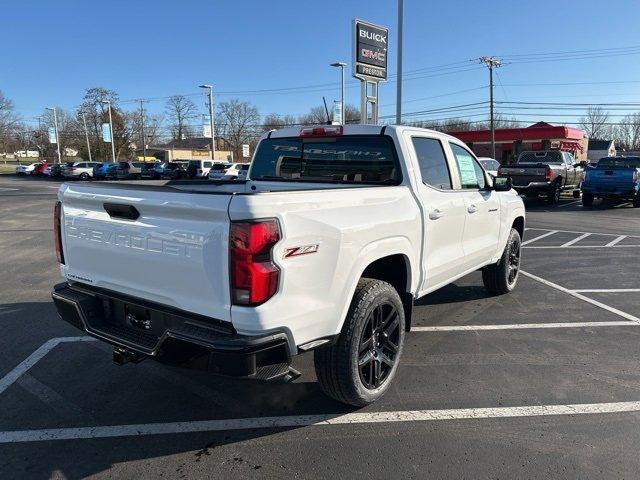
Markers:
(238, 173)
(81, 170)
(149, 171)
(111, 173)
(199, 168)
(128, 170)
(218, 171)
(100, 170)
(235, 168)
(613, 178)
(326, 251)
(55, 170)
(546, 172)
(490, 165)
(39, 169)
(26, 169)
(174, 171)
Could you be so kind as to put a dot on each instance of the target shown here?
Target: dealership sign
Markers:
(370, 51)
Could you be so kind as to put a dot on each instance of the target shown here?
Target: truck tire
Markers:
(84, 176)
(501, 277)
(587, 200)
(553, 196)
(359, 367)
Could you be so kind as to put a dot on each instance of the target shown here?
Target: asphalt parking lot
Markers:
(544, 382)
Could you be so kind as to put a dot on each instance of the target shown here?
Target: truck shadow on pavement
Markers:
(77, 385)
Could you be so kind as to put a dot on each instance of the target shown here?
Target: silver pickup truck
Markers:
(547, 172)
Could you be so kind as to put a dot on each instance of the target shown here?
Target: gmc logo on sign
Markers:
(366, 53)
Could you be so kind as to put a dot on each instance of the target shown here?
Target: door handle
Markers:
(435, 214)
(472, 209)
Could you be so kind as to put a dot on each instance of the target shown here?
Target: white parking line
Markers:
(297, 421)
(523, 326)
(575, 240)
(31, 360)
(573, 231)
(582, 297)
(544, 235)
(608, 290)
(616, 240)
(570, 203)
(582, 246)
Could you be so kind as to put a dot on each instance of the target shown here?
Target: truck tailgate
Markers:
(173, 253)
(610, 177)
(523, 175)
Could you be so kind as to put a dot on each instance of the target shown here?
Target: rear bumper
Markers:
(609, 192)
(172, 336)
(533, 187)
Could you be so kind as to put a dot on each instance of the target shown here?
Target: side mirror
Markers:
(502, 184)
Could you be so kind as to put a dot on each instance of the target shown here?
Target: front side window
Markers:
(369, 159)
(207, 164)
(469, 170)
(432, 162)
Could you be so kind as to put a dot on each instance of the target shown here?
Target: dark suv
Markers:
(174, 171)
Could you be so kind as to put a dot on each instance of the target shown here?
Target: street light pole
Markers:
(399, 71)
(211, 121)
(113, 148)
(144, 142)
(55, 125)
(86, 134)
(342, 106)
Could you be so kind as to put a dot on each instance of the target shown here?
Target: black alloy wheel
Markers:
(379, 346)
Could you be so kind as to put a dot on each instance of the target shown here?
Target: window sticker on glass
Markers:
(467, 170)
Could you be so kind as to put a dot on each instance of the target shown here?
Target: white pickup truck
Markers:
(325, 247)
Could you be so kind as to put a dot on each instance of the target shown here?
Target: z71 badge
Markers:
(304, 250)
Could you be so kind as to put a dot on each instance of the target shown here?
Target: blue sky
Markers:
(53, 51)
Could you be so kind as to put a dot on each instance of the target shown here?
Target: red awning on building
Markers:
(538, 131)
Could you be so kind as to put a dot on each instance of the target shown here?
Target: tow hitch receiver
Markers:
(122, 356)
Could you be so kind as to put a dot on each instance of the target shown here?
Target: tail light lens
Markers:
(548, 174)
(254, 277)
(57, 232)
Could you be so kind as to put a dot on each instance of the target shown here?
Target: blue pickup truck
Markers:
(615, 178)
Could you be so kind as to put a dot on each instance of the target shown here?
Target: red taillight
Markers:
(57, 232)
(324, 131)
(549, 174)
(254, 277)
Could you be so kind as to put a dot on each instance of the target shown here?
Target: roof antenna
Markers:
(326, 110)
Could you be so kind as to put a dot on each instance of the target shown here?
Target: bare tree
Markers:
(241, 120)
(594, 123)
(274, 121)
(180, 111)
(317, 115)
(9, 121)
(627, 131)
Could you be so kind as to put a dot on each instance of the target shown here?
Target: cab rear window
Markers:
(366, 159)
(613, 162)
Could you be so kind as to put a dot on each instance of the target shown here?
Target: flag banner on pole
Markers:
(206, 126)
(337, 112)
(106, 133)
(52, 135)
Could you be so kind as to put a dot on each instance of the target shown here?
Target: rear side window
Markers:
(432, 162)
(469, 170)
(369, 159)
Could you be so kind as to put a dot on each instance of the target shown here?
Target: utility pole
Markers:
(399, 71)
(55, 125)
(491, 63)
(86, 134)
(144, 142)
(211, 121)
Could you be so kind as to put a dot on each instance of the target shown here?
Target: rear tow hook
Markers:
(122, 356)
